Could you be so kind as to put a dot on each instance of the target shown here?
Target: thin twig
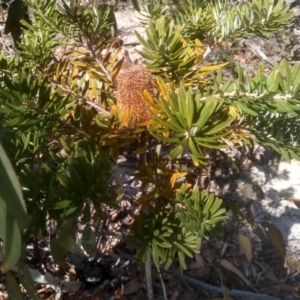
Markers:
(59, 120)
(97, 107)
(109, 233)
(149, 276)
(253, 95)
(207, 52)
(257, 51)
(99, 62)
(234, 293)
(162, 283)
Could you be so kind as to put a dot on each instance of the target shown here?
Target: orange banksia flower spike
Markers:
(132, 80)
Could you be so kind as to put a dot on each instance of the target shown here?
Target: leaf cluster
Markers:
(170, 55)
(179, 230)
(218, 21)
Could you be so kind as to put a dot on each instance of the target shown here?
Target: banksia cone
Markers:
(131, 81)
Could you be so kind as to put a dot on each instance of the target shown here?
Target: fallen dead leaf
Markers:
(197, 268)
(175, 295)
(276, 239)
(198, 263)
(232, 268)
(72, 274)
(271, 276)
(131, 287)
(296, 201)
(246, 246)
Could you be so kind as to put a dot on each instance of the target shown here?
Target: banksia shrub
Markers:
(133, 80)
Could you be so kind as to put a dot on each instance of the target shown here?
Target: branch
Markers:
(252, 95)
(59, 120)
(162, 283)
(149, 276)
(257, 51)
(97, 107)
(234, 293)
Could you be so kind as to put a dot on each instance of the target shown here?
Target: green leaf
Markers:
(10, 191)
(246, 246)
(207, 110)
(13, 289)
(181, 257)
(157, 253)
(176, 152)
(58, 205)
(10, 234)
(58, 252)
(28, 283)
(88, 240)
(209, 203)
(247, 110)
(216, 205)
(184, 250)
(218, 127)
(66, 240)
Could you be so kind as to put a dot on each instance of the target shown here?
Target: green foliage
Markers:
(197, 211)
(177, 231)
(244, 99)
(60, 122)
(218, 21)
(13, 214)
(179, 122)
(268, 105)
(171, 56)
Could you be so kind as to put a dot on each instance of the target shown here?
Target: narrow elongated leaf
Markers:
(28, 283)
(247, 110)
(163, 89)
(66, 239)
(58, 252)
(13, 289)
(10, 191)
(276, 238)
(10, 234)
(246, 246)
(209, 203)
(176, 152)
(218, 127)
(88, 241)
(206, 112)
